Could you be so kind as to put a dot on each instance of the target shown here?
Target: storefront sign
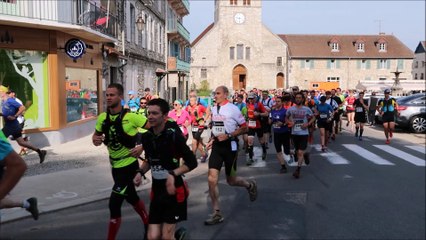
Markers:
(75, 48)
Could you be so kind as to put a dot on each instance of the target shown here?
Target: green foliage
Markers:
(204, 89)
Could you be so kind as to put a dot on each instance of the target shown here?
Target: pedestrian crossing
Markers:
(375, 155)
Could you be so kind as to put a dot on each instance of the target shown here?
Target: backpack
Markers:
(120, 137)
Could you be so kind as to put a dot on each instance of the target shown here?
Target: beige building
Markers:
(237, 50)
(419, 63)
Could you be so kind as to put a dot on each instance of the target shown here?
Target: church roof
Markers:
(319, 46)
(202, 34)
(421, 48)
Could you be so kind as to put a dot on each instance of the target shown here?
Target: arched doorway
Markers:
(280, 80)
(239, 77)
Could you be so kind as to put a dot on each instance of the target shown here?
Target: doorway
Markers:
(239, 77)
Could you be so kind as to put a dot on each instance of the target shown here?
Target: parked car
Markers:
(412, 111)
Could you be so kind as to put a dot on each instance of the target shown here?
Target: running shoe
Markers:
(387, 141)
(390, 134)
(214, 219)
(33, 208)
(42, 155)
(252, 190)
(296, 173)
(180, 233)
(307, 158)
(203, 158)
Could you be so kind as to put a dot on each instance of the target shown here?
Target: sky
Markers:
(403, 19)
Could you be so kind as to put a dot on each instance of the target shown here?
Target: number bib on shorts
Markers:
(323, 115)
(358, 109)
(298, 126)
(194, 128)
(157, 171)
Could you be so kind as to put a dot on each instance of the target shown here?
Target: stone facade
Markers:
(260, 49)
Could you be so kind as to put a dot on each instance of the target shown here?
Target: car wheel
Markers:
(418, 124)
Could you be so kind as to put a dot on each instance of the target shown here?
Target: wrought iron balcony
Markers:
(63, 15)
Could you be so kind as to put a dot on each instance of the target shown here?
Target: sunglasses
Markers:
(143, 102)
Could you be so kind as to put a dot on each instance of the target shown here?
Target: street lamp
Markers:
(140, 23)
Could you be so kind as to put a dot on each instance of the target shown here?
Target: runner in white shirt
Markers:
(227, 124)
(299, 117)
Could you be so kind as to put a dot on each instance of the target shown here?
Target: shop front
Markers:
(58, 78)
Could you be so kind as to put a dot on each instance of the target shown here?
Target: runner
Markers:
(268, 103)
(387, 108)
(350, 110)
(325, 118)
(361, 109)
(163, 147)
(11, 110)
(181, 116)
(281, 133)
(298, 118)
(227, 124)
(197, 112)
(254, 111)
(119, 130)
(243, 108)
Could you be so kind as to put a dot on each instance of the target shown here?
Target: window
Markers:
(203, 73)
(423, 63)
(315, 85)
(416, 64)
(382, 47)
(382, 64)
(334, 47)
(415, 76)
(232, 53)
(132, 23)
(332, 64)
(82, 98)
(233, 2)
(279, 61)
(400, 64)
(360, 47)
(382, 78)
(248, 53)
(363, 64)
(308, 64)
(246, 2)
(8, 1)
(333, 79)
(422, 76)
(240, 51)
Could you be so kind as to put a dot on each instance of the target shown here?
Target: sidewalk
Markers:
(72, 187)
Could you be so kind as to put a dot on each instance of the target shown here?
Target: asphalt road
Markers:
(380, 196)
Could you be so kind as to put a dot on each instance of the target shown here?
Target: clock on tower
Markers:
(239, 18)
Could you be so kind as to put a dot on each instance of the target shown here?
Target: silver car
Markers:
(412, 111)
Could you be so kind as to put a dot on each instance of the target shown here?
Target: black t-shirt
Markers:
(359, 108)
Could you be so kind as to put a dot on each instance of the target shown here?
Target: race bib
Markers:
(323, 115)
(358, 109)
(298, 126)
(218, 128)
(133, 109)
(252, 123)
(234, 146)
(158, 172)
(195, 128)
(276, 125)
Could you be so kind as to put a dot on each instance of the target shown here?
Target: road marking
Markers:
(367, 154)
(420, 149)
(403, 155)
(331, 156)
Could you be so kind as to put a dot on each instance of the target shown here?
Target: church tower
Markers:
(237, 50)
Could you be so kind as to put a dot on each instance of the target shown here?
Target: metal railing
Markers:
(74, 12)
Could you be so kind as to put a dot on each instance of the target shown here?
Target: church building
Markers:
(237, 50)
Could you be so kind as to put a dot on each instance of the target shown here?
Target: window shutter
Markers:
(328, 64)
(378, 64)
(337, 63)
(400, 63)
(358, 64)
(368, 64)
(312, 64)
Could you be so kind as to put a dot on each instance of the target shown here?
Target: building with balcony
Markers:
(178, 50)
(53, 55)
(143, 46)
